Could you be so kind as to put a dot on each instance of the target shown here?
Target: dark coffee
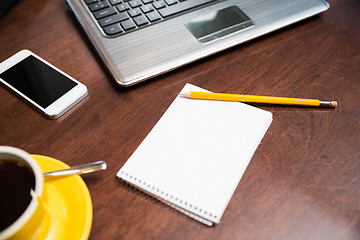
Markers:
(16, 181)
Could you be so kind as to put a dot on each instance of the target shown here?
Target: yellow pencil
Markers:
(259, 99)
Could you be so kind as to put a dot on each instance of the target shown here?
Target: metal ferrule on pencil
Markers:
(329, 104)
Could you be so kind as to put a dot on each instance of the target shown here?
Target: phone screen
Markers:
(36, 80)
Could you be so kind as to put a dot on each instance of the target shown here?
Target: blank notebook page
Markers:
(195, 156)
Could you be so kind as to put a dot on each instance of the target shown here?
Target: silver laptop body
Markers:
(147, 52)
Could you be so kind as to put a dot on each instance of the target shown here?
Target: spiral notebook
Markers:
(194, 157)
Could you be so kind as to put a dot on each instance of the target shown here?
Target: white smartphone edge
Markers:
(62, 104)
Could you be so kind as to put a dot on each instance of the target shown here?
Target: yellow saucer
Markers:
(68, 201)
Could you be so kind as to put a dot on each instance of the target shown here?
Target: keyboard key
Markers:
(140, 20)
(113, 19)
(147, 1)
(159, 4)
(135, 3)
(115, 2)
(112, 29)
(123, 7)
(134, 12)
(170, 2)
(153, 16)
(127, 24)
(177, 8)
(147, 8)
(90, 1)
(98, 5)
(104, 12)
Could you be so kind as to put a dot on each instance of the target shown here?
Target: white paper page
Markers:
(196, 154)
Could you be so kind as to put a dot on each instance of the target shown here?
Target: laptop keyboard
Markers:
(117, 17)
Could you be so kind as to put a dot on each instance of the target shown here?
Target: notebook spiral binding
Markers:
(166, 198)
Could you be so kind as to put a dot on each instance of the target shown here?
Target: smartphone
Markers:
(48, 89)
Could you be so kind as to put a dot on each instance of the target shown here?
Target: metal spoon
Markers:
(85, 168)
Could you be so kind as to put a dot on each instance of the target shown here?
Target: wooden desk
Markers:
(304, 179)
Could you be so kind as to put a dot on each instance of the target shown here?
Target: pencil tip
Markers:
(185, 94)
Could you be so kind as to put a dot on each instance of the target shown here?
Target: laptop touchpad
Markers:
(218, 24)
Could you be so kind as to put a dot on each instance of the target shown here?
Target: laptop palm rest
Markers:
(212, 26)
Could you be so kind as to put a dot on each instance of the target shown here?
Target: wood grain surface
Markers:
(303, 181)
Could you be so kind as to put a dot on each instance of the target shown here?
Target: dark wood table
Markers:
(303, 181)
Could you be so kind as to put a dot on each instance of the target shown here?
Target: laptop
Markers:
(140, 39)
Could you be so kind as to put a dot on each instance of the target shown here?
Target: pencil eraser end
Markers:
(334, 103)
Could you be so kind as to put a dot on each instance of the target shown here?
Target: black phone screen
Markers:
(38, 81)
